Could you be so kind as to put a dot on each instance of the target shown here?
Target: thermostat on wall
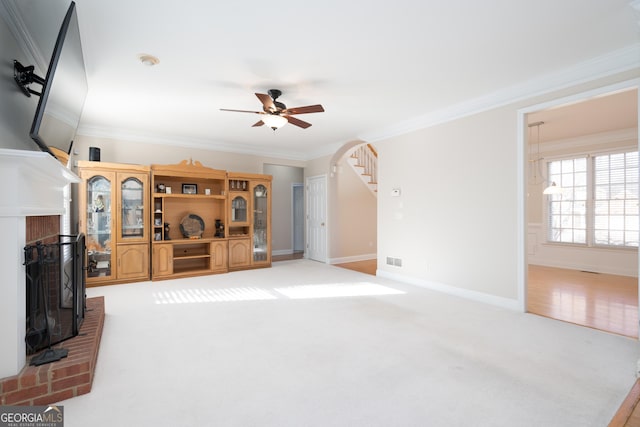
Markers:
(395, 192)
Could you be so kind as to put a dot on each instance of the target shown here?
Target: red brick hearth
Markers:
(66, 378)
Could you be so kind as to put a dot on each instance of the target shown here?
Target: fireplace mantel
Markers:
(32, 183)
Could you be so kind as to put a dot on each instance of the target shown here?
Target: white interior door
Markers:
(317, 218)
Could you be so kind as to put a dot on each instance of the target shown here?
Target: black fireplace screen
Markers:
(55, 291)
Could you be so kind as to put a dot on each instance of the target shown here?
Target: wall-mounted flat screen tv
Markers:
(64, 90)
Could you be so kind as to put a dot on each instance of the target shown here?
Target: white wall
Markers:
(456, 226)
(623, 262)
(455, 221)
(16, 109)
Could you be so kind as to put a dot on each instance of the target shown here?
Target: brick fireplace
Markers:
(32, 199)
(34, 185)
(66, 378)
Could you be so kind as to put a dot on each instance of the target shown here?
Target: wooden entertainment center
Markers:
(168, 221)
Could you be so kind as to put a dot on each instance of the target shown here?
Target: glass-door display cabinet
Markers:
(249, 220)
(261, 223)
(98, 225)
(113, 207)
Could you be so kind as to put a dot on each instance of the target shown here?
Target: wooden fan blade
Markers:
(241, 111)
(304, 110)
(298, 122)
(260, 123)
(267, 102)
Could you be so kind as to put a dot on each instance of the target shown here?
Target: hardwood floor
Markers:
(287, 257)
(367, 266)
(602, 301)
(629, 414)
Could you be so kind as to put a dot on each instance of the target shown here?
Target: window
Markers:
(616, 199)
(599, 201)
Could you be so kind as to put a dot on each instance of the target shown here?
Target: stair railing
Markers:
(367, 157)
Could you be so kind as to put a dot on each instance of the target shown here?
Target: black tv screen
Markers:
(64, 90)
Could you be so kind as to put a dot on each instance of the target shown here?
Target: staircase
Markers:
(364, 161)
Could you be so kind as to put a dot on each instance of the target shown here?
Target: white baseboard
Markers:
(354, 258)
(510, 304)
(602, 269)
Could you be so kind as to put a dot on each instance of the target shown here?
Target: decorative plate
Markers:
(192, 226)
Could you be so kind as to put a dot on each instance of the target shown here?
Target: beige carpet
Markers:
(307, 344)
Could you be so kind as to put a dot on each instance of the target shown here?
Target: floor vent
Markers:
(396, 262)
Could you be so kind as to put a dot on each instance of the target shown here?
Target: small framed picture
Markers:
(189, 189)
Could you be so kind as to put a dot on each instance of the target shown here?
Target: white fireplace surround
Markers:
(32, 183)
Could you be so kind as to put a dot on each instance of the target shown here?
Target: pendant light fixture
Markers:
(535, 160)
(553, 188)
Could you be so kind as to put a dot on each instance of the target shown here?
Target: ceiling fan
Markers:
(275, 114)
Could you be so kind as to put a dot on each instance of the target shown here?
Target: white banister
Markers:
(364, 160)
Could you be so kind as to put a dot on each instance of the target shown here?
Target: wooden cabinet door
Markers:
(219, 251)
(239, 253)
(133, 261)
(162, 259)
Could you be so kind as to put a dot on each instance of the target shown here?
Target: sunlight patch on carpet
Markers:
(192, 296)
(334, 290)
(331, 290)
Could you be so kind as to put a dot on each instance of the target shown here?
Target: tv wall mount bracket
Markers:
(24, 76)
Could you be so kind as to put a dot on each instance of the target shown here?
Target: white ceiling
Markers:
(373, 65)
(616, 111)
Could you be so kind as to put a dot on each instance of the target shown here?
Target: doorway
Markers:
(297, 195)
(285, 216)
(583, 284)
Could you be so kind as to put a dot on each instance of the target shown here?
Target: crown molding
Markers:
(203, 144)
(623, 137)
(13, 18)
(618, 61)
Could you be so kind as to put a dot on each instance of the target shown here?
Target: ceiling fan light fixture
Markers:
(148, 60)
(274, 121)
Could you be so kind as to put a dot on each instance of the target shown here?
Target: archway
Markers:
(353, 210)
